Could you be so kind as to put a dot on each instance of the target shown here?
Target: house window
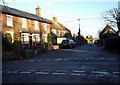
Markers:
(24, 38)
(59, 31)
(36, 25)
(45, 37)
(45, 26)
(9, 20)
(54, 31)
(24, 23)
(36, 38)
(64, 32)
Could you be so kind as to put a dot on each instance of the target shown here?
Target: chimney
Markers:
(55, 19)
(38, 11)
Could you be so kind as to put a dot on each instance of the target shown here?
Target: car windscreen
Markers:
(65, 41)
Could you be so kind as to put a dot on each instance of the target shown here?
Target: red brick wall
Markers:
(17, 25)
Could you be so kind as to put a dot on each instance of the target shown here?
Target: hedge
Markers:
(112, 43)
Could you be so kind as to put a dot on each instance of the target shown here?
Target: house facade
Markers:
(108, 31)
(29, 29)
(57, 28)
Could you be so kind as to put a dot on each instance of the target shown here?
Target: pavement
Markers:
(83, 64)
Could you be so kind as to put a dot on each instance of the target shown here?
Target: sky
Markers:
(90, 12)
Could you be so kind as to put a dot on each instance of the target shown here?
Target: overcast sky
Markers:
(69, 11)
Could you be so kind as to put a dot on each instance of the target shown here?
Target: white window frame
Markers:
(54, 31)
(24, 40)
(24, 23)
(37, 38)
(64, 32)
(36, 25)
(45, 26)
(59, 31)
(45, 37)
(10, 20)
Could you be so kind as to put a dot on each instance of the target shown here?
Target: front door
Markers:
(30, 41)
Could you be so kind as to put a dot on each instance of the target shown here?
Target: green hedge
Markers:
(112, 43)
(28, 52)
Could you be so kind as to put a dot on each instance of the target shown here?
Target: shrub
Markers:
(7, 41)
(49, 39)
(39, 50)
(112, 43)
(80, 40)
(28, 52)
(68, 35)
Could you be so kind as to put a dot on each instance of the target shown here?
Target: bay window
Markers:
(24, 38)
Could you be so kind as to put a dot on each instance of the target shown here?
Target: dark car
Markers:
(96, 41)
(68, 44)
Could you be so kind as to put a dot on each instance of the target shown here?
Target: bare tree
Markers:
(3, 2)
(111, 17)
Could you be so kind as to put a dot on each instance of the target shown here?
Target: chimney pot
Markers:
(55, 19)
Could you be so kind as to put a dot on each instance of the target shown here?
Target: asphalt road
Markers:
(83, 64)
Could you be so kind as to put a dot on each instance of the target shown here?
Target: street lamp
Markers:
(79, 27)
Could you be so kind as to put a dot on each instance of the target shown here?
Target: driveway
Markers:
(83, 64)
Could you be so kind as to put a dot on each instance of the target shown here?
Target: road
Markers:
(83, 64)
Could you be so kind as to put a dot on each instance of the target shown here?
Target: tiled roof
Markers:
(19, 13)
(57, 25)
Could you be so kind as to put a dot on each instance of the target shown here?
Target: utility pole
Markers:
(118, 19)
(79, 27)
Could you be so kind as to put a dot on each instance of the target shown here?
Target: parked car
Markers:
(96, 41)
(68, 43)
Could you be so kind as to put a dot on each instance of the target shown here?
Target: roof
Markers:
(63, 27)
(57, 25)
(106, 29)
(19, 13)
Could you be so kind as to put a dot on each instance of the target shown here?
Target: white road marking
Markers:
(116, 72)
(25, 72)
(12, 72)
(58, 59)
(77, 74)
(79, 71)
(97, 75)
(59, 73)
(41, 73)
(100, 72)
(31, 70)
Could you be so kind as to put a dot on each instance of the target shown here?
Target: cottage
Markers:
(108, 31)
(28, 28)
(57, 29)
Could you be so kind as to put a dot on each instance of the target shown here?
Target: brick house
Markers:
(30, 29)
(57, 29)
(108, 31)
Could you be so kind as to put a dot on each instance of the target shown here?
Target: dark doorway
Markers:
(30, 41)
